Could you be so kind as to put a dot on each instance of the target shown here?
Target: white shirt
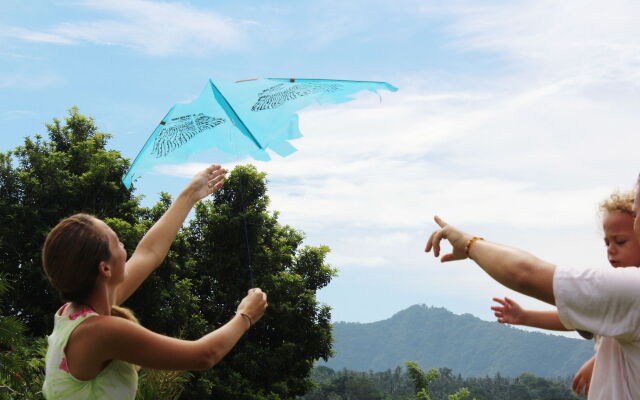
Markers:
(605, 302)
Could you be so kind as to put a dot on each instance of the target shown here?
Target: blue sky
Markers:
(513, 119)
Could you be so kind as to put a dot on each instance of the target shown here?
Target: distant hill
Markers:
(435, 337)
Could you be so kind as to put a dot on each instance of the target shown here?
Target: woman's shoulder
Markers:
(102, 325)
(87, 327)
(95, 337)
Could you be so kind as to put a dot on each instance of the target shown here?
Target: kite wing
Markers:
(243, 118)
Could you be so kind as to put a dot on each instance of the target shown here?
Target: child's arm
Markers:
(156, 242)
(510, 312)
(582, 380)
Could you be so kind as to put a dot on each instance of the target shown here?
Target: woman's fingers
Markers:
(439, 221)
(216, 183)
(218, 171)
(214, 175)
(451, 234)
(210, 171)
(436, 237)
(430, 242)
(254, 304)
(258, 293)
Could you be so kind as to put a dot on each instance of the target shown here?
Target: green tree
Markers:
(336, 384)
(42, 182)
(201, 281)
(461, 394)
(235, 243)
(422, 381)
(21, 360)
(161, 385)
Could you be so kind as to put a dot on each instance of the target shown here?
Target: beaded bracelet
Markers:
(469, 243)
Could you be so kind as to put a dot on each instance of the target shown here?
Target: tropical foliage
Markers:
(232, 243)
(21, 360)
(442, 384)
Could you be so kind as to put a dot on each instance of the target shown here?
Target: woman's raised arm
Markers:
(156, 242)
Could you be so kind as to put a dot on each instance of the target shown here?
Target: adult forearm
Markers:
(515, 269)
(219, 342)
(158, 239)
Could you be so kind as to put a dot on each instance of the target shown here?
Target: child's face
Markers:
(623, 249)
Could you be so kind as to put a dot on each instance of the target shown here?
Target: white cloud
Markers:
(337, 259)
(33, 36)
(25, 81)
(186, 170)
(524, 160)
(505, 158)
(568, 38)
(155, 28)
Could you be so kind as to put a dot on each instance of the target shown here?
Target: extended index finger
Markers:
(439, 221)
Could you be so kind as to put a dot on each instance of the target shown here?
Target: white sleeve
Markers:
(602, 301)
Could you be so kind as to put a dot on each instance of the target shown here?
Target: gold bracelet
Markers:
(247, 317)
(469, 243)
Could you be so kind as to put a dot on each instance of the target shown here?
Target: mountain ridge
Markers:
(436, 337)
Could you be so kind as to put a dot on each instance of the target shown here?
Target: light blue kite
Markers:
(242, 118)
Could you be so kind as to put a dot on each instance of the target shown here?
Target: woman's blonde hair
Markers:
(618, 201)
(123, 312)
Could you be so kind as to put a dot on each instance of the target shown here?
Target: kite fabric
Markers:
(242, 118)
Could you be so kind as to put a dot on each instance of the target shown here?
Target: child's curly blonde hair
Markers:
(618, 201)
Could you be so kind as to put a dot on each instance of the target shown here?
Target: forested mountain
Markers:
(435, 337)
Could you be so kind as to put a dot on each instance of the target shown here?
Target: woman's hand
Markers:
(456, 237)
(253, 305)
(205, 182)
(509, 312)
(582, 380)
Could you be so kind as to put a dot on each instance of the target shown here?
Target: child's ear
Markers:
(104, 269)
